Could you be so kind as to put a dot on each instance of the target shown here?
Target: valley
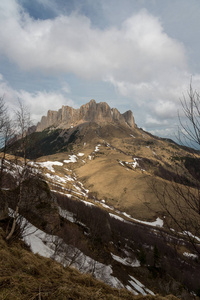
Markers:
(104, 178)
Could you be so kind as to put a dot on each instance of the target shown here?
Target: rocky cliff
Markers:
(37, 204)
(91, 112)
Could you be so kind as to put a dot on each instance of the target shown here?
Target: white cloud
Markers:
(168, 132)
(139, 50)
(38, 102)
(153, 121)
(66, 88)
(138, 57)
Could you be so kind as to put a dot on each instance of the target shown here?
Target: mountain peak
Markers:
(67, 116)
(92, 101)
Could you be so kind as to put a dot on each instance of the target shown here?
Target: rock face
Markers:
(39, 205)
(90, 112)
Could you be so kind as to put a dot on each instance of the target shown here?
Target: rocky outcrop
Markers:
(67, 117)
(39, 205)
(128, 116)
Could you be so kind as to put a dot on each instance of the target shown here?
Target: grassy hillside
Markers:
(46, 142)
(24, 275)
(102, 177)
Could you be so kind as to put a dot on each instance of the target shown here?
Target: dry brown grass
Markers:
(24, 275)
(125, 189)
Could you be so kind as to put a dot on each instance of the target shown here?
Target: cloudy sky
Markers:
(132, 54)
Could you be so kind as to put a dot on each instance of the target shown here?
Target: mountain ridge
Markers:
(101, 172)
(92, 111)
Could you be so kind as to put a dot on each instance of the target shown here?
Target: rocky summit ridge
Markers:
(67, 116)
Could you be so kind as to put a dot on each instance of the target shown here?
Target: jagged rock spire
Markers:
(89, 112)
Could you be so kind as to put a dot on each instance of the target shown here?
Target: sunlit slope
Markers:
(117, 164)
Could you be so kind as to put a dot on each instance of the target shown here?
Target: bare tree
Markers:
(4, 125)
(6, 135)
(180, 199)
(180, 205)
(2, 112)
(27, 191)
(4, 122)
(189, 129)
(21, 169)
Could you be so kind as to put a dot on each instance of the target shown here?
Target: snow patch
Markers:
(117, 217)
(139, 287)
(69, 178)
(190, 255)
(88, 203)
(59, 192)
(135, 163)
(45, 245)
(97, 148)
(121, 163)
(49, 165)
(56, 178)
(80, 154)
(158, 222)
(191, 235)
(66, 214)
(106, 206)
(131, 290)
(126, 261)
(72, 159)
